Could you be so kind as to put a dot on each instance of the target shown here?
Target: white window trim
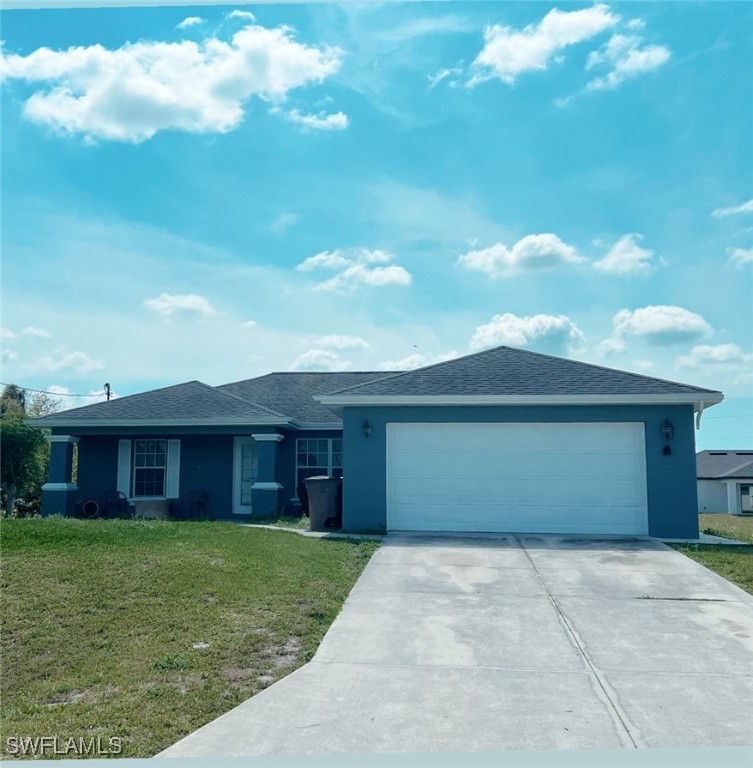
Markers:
(330, 453)
(126, 473)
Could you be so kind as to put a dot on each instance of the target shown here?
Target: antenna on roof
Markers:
(107, 391)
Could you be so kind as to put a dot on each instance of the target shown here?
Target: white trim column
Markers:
(734, 502)
(59, 494)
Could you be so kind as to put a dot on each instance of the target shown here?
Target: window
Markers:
(319, 456)
(149, 463)
(746, 500)
(149, 468)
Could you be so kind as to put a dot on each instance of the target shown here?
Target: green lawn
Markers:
(100, 619)
(731, 526)
(734, 563)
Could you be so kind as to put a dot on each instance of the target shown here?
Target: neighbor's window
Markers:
(149, 467)
(319, 456)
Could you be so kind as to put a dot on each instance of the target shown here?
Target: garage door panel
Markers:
(517, 477)
(625, 465)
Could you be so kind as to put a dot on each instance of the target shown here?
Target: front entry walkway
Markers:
(491, 643)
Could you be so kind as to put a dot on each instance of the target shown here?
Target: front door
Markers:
(246, 468)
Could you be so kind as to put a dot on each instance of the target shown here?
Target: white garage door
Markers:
(547, 478)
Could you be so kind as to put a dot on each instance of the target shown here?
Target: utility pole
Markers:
(107, 391)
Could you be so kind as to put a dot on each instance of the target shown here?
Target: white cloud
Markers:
(741, 256)
(529, 253)
(6, 333)
(626, 257)
(8, 354)
(643, 365)
(131, 93)
(660, 325)
(626, 60)
(359, 274)
(39, 332)
(78, 362)
(75, 402)
(190, 21)
(284, 221)
(337, 121)
(241, 15)
(249, 324)
(555, 332)
(508, 52)
(636, 24)
(320, 360)
(416, 360)
(338, 341)
(447, 73)
(746, 207)
(356, 269)
(610, 347)
(323, 260)
(167, 304)
(373, 257)
(717, 355)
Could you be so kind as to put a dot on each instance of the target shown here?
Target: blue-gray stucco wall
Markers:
(671, 480)
(206, 462)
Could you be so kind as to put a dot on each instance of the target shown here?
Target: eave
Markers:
(118, 423)
(699, 401)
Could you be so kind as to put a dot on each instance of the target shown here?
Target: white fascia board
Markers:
(304, 426)
(340, 401)
(117, 423)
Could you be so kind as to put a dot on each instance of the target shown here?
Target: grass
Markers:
(301, 523)
(146, 630)
(733, 563)
(731, 526)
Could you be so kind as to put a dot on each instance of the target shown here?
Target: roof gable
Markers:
(190, 402)
(721, 465)
(504, 371)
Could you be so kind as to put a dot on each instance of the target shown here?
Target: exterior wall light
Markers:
(366, 428)
(668, 430)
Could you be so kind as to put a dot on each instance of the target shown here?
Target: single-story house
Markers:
(725, 481)
(501, 440)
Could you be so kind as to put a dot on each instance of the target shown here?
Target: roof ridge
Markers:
(735, 469)
(121, 398)
(615, 370)
(398, 374)
(307, 373)
(243, 400)
(525, 352)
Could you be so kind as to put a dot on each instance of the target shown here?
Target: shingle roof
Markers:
(278, 398)
(508, 371)
(190, 401)
(293, 393)
(718, 465)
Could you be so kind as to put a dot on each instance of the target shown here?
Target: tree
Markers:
(43, 404)
(24, 453)
(13, 399)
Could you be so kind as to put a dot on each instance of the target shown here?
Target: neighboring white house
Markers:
(725, 481)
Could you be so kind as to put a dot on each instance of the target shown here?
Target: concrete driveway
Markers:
(453, 644)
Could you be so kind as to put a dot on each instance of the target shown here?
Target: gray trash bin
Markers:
(322, 493)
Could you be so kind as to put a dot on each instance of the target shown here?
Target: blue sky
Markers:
(217, 192)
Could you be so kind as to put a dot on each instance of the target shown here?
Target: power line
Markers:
(54, 394)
